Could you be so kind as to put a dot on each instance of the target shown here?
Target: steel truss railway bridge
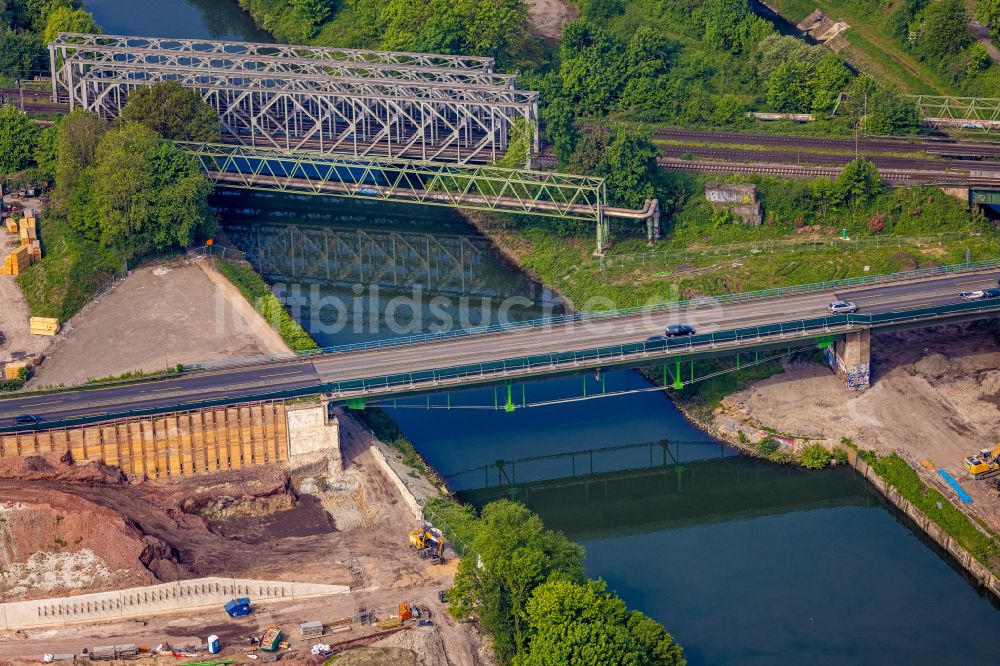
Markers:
(407, 127)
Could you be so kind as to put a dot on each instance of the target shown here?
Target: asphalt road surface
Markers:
(254, 382)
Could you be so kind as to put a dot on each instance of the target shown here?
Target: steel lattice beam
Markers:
(466, 186)
(82, 57)
(358, 117)
(71, 41)
(963, 112)
(487, 188)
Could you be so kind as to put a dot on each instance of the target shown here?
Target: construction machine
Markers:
(428, 543)
(984, 464)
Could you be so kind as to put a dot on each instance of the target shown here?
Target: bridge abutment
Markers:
(850, 357)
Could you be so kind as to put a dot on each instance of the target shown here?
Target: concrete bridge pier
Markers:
(850, 356)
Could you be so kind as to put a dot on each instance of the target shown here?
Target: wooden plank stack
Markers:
(17, 261)
(13, 369)
(43, 325)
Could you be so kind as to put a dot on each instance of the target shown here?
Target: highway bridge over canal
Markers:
(453, 360)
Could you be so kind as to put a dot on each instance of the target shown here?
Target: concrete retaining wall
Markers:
(311, 429)
(178, 444)
(182, 596)
(985, 577)
(404, 492)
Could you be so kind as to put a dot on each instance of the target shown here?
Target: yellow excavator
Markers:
(984, 464)
(427, 544)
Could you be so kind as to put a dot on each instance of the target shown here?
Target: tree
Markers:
(814, 456)
(516, 554)
(21, 54)
(731, 26)
(590, 149)
(629, 168)
(76, 148)
(890, 113)
(594, 66)
(149, 194)
(859, 183)
(45, 152)
(496, 27)
(172, 111)
(988, 13)
(789, 89)
(312, 12)
(940, 30)
(64, 19)
(827, 82)
(17, 140)
(559, 128)
(574, 623)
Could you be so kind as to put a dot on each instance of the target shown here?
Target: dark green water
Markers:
(216, 19)
(745, 562)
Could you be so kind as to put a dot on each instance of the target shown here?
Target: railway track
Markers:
(813, 143)
(893, 176)
(821, 159)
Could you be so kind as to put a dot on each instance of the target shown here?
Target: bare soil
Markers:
(549, 16)
(179, 311)
(934, 400)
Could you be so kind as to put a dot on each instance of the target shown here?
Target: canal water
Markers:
(745, 562)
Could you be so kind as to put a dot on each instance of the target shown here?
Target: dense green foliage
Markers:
(18, 137)
(66, 19)
(581, 623)
(255, 290)
(935, 506)
(76, 150)
(15, 384)
(526, 586)
(814, 456)
(27, 25)
(141, 194)
(173, 112)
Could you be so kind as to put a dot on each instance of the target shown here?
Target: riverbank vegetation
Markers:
(526, 586)
(122, 192)
(810, 232)
(936, 506)
(259, 295)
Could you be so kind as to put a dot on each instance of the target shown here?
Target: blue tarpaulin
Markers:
(950, 480)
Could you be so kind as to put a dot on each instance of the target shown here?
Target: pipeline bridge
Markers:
(500, 355)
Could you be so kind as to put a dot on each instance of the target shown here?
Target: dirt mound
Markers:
(52, 542)
(59, 467)
(934, 366)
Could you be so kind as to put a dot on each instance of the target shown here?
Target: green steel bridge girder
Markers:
(476, 187)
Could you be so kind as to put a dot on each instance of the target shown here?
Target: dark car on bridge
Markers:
(656, 342)
(26, 419)
(678, 330)
(991, 293)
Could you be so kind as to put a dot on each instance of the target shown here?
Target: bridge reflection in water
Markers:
(656, 486)
(350, 258)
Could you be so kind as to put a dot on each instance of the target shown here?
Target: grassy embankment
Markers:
(72, 271)
(937, 507)
(870, 48)
(705, 253)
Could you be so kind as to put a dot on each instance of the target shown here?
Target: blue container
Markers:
(214, 646)
(238, 607)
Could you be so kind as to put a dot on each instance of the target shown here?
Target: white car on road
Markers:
(972, 295)
(843, 307)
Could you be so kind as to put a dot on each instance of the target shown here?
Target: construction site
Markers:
(260, 532)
